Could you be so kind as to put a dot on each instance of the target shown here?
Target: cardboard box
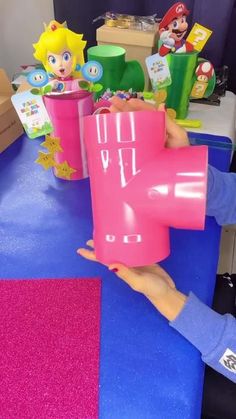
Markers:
(138, 44)
(10, 125)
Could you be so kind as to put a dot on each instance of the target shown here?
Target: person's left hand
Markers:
(176, 136)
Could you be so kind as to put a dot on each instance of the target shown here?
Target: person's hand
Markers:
(152, 281)
(176, 136)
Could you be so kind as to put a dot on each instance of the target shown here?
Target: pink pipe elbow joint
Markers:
(140, 188)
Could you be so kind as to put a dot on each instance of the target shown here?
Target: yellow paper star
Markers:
(52, 144)
(46, 160)
(64, 171)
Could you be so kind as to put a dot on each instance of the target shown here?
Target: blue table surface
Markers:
(147, 370)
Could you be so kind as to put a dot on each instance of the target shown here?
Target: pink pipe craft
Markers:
(140, 188)
(65, 112)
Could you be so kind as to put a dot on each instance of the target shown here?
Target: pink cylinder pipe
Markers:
(140, 188)
(65, 112)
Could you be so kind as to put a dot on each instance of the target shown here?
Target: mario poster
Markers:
(173, 29)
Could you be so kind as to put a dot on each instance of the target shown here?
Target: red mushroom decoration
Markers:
(204, 71)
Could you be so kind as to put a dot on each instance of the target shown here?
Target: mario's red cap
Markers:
(177, 10)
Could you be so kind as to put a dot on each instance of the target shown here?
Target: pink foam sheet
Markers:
(49, 348)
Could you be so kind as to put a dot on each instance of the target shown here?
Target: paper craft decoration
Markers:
(60, 50)
(158, 71)
(49, 334)
(204, 73)
(199, 36)
(92, 72)
(21, 76)
(32, 113)
(173, 28)
(47, 160)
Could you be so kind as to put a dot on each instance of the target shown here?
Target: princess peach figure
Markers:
(61, 52)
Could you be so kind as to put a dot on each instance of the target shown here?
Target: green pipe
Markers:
(182, 69)
(118, 74)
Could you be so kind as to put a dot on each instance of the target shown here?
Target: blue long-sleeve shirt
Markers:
(221, 196)
(212, 334)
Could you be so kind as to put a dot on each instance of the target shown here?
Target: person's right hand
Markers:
(152, 280)
(176, 136)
